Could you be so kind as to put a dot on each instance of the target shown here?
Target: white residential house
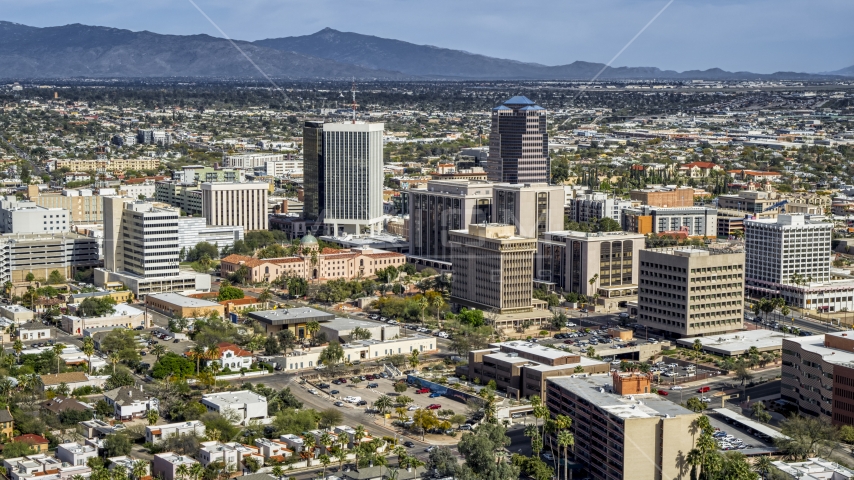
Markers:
(165, 465)
(128, 463)
(157, 433)
(275, 449)
(294, 442)
(75, 454)
(230, 454)
(42, 467)
(130, 402)
(233, 357)
(243, 404)
(33, 331)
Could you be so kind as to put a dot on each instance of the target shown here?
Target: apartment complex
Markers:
(116, 165)
(520, 369)
(637, 435)
(443, 206)
(749, 202)
(533, 208)
(343, 175)
(664, 197)
(493, 268)
(518, 143)
(243, 204)
(570, 260)
(790, 257)
(590, 207)
(251, 160)
(818, 375)
(29, 217)
(690, 291)
(83, 205)
(692, 221)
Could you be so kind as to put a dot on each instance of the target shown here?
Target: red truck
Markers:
(423, 390)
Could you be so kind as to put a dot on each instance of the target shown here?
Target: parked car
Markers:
(323, 385)
(548, 456)
(423, 390)
(435, 395)
(373, 385)
(338, 404)
(361, 403)
(663, 393)
(408, 444)
(333, 392)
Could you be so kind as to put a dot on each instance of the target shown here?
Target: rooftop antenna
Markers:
(353, 90)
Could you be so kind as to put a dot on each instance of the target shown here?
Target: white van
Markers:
(352, 399)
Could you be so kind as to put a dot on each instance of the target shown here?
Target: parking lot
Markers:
(384, 386)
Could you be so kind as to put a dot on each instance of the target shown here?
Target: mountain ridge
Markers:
(78, 50)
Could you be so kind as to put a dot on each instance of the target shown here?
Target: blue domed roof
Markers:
(308, 239)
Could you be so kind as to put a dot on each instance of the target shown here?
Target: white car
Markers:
(570, 324)
(705, 399)
(312, 391)
(412, 408)
(677, 387)
(548, 456)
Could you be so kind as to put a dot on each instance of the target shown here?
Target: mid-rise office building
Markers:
(591, 207)
(533, 208)
(343, 175)
(142, 249)
(692, 221)
(622, 429)
(787, 250)
(83, 204)
(493, 268)
(818, 375)
(443, 206)
(29, 217)
(518, 143)
(243, 204)
(691, 291)
(570, 260)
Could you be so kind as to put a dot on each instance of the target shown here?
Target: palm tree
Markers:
(383, 404)
(198, 352)
(18, 346)
(183, 471)
(279, 472)
(57, 350)
(196, 471)
(762, 465)
(89, 350)
(114, 359)
(312, 328)
(308, 444)
(265, 296)
(358, 435)
(437, 302)
(343, 440)
(158, 350)
(565, 439)
(325, 461)
(413, 359)
(139, 469)
(422, 303)
(698, 347)
(152, 415)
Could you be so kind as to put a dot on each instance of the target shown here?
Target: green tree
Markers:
(97, 306)
(172, 364)
(55, 278)
(696, 405)
(806, 437)
(17, 449)
(758, 411)
(117, 444)
(229, 293)
(89, 350)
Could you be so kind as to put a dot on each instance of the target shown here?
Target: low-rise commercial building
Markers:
(177, 305)
(293, 319)
(521, 369)
(33, 331)
(622, 429)
(692, 221)
(124, 316)
(341, 330)
(360, 350)
(664, 197)
(811, 469)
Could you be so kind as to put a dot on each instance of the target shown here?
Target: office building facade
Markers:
(533, 208)
(187, 197)
(591, 207)
(493, 268)
(250, 161)
(343, 175)
(41, 254)
(518, 143)
(83, 205)
(243, 204)
(570, 260)
(689, 291)
(29, 217)
(664, 197)
(194, 230)
(779, 251)
(443, 206)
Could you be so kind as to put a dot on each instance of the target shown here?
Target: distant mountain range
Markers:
(847, 72)
(102, 52)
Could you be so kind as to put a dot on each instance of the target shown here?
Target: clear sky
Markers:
(761, 36)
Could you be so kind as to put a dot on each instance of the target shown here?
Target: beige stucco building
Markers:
(638, 435)
(116, 165)
(493, 268)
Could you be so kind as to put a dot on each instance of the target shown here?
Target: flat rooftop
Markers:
(182, 300)
(288, 316)
(533, 349)
(740, 342)
(340, 323)
(815, 344)
(597, 390)
(234, 398)
(583, 362)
